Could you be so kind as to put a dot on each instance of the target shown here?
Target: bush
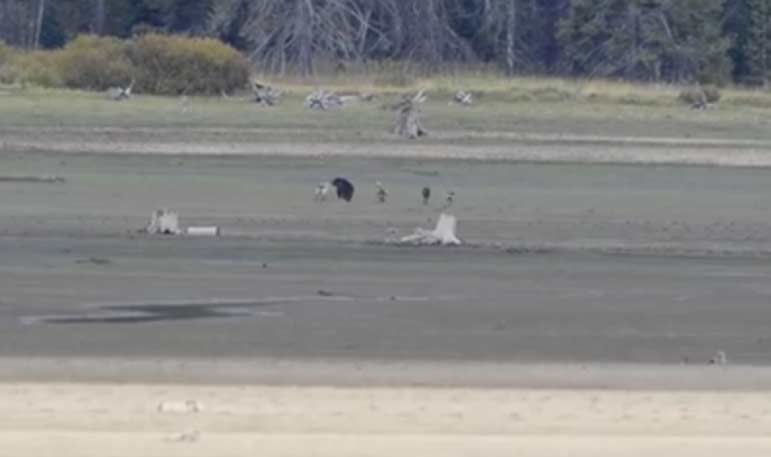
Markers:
(8, 72)
(6, 53)
(712, 93)
(38, 67)
(95, 63)
(700, 95)
(175, 65)
(159, 65)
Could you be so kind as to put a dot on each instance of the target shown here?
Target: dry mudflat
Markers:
(580, 318)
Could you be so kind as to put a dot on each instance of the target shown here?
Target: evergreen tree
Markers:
(657, 40)
(758, 40)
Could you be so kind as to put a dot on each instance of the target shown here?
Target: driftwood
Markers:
(265, 95)
(322, 100)
(163, 222)
(120, 93)
(408, 125)
(463, 98)
(349, 97)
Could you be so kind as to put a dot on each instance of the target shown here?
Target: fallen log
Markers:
(322, 100)
(265, 95)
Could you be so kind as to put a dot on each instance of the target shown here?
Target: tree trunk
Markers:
(99, 17)
(409, 118)
(37, 31)
(511, 24)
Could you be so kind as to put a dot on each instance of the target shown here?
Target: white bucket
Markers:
(212, 230)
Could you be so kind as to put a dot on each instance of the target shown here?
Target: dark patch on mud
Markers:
(147, 313)
(33, 179)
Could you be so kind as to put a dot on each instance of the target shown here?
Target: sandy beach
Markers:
(55, 419)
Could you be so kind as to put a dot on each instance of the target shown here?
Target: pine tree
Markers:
(758, 44)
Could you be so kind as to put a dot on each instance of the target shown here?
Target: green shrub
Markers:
(175, 65)
(712, 93)
(159, 64)
(8, 72)
(6, 53)
(95, 63)
(37, 67)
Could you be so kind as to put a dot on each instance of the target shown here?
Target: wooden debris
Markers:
(120, 93)
(719, 358)
(265, 95)
(463, 98)
(164, 222)
(322, 100)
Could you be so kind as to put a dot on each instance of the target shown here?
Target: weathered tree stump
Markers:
(408, 125)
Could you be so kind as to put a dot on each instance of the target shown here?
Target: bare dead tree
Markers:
(429, 35)
(511, 24)
(296, 34)
(100, 13)
(21, 22)
(37, 30)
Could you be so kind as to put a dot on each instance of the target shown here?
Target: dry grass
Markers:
(485, 83)
(546, 106)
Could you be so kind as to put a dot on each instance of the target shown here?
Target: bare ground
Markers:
(657, 267)
(170, 420)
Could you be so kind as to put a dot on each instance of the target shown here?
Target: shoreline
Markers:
(568, 150)
(370, 373)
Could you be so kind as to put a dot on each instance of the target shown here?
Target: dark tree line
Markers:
(651, 40)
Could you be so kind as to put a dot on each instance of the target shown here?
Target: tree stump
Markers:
(408, 125)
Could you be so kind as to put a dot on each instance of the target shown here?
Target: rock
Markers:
(180, 407)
